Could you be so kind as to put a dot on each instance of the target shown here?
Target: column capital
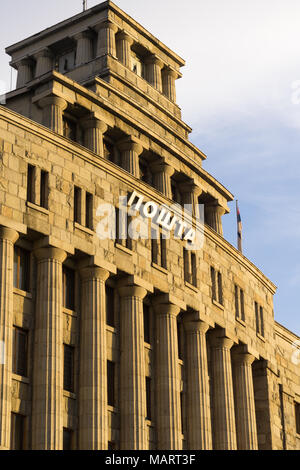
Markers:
(240, 355)
(163, 307)
(94, 272)
(108, 25)
(53, 100)
(123, 35)
(43, 53)
(85, 34)
(219, 340)
(132, 291)
(8, 234)
(131, 143)
(95, 123)
(153, 59)
(194, 325)
(162, 167)
(50, 252)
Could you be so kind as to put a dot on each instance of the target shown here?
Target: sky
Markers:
(240, 92)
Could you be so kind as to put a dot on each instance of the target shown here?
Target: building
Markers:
(123, 343)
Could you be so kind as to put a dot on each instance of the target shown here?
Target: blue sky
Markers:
(239, 92)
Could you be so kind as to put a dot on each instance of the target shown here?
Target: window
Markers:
(17, 432)
(297, 415)
(146, 323)
(163, 251)
(148, 398)
(44, 189)
(20, 348)
(69, 129)
(67, 439)
(89, 210)
(186, 265)
(259, 317)
(190, 267)
(110, 383)
(180, 339)
(30, 183)
(21, 269)
(176, 195)
(108, 150)
(77, 204)
(217, 288)
(239, 303)
(68, 288)
(194, 269)
(110, 306)
(182, 411)
(68, 368)
(123, 221)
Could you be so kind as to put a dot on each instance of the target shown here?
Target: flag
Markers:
(239, 228)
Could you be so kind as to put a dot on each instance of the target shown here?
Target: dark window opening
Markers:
(21, 269)
(44, 189)
(213, 283)
(89, 210)
(110, 383)
(110, 306)
(297, 415)
(68, 288)
(68, 368)
(147, 336)
(30, 183)
(77, 204)
(17, 431)
(148, 398)
(20, 348)
(67, 439)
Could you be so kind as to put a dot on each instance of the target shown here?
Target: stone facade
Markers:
(94, 117)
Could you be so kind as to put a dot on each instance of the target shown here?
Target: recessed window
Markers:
(30, 183)
(67, 439)
(123, 221)
(148, 398)
(89, 210)
(239, 303)
(20, 349)
(17, 431)
(297, 415)
(110, 306)
(180, 338)
(110, 383)
(147, 336)
(77, 204)
(259, 318)
(68, 368)
(68, 288)
(21, 269)
(44, 189)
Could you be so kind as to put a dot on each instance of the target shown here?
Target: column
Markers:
(244, 399)
(223, 399)
(130, 152)
(190, 193)
(168, 83)
(106, 43)
(132, 370)
(168, 416)
(162, 173)
(84, 50)
(199, 433)
(8, 237)
(47, 400)
(154, 66)
(53, 107)
(25, 72)
(93, 134)
(44, 62)
(93, 418)
(124, 43)
(213, 216)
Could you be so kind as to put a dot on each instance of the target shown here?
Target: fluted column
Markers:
(53, 107)
(25, 72)
(93, 134)
(190, 193)
(168, 415)
(44, 62)
(106, 43)
(244, 400)
(124, 43)
(93, 418)
(162, 173)
(84, 49)
(154, 76)
(130, 152)
(199, 433)
(168, 83)
(47, 400)
(7, 239)
(213, 217)
(132, 370)
(223, 399)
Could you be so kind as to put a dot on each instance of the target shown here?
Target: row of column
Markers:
(234, 423)
(160, 77)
